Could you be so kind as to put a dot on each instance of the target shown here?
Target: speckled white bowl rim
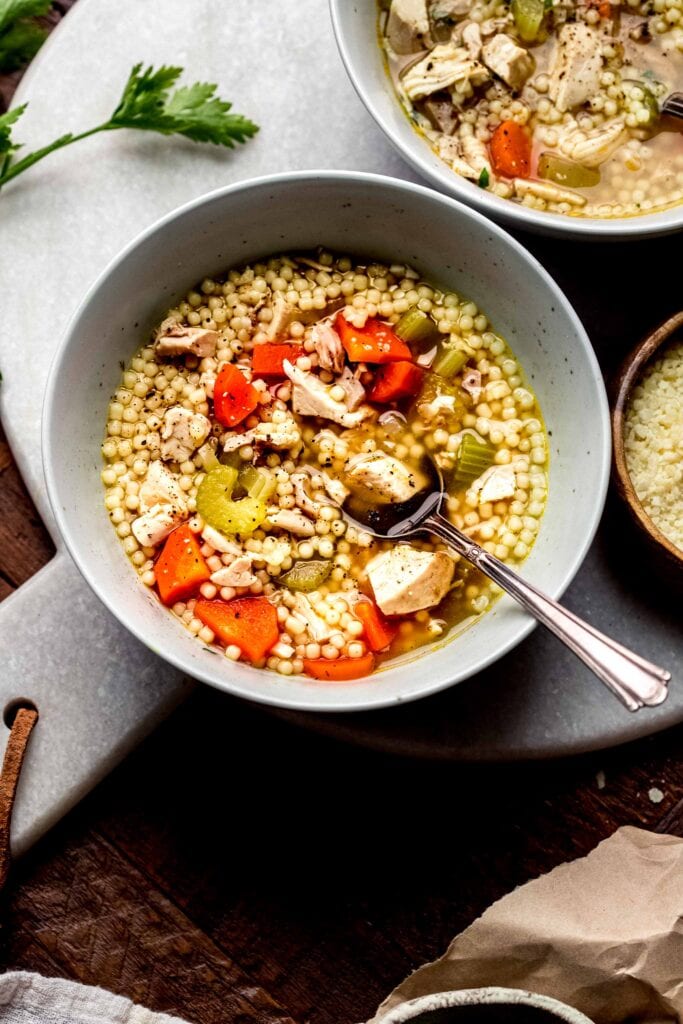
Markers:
(363, 60)
(108, 571)
(483, 997)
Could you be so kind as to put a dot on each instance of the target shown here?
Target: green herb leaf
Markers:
(19, 44)
(6, 122)
(147, 104)
(484, 178)
(193, 111)
(548, 5)
(13, 10)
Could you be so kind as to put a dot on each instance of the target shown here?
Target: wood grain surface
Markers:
(236, 869)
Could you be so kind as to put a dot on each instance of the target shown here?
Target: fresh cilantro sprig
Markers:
(20, 35)
(147, 104)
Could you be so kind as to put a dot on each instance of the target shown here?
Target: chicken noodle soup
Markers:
(554, 104)
(269, 398)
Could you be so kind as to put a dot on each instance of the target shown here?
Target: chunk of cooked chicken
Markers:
(301, 495)
(592, 148)
(283, 436)
(471, 38)
(291, 520)
(182, 433)
(173, 339)
(350, 384)
(443, 66)
(161, 487)
(220, 543)
(155, 525)
(329, 347)
(408, 26)
(495, 484)
(379, 477)
(475, 153)
(405, 580)
(318, 629)
(237, 574)
(337, 491)
(576, 65)
(311, 397)
(509, 61)
(546, 190)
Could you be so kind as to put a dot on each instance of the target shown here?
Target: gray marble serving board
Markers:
(100, 692)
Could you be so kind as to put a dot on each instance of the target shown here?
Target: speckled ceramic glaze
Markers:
(484, 1006)
(364, 215)
(355, 27)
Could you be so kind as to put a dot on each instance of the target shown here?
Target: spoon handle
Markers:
(634, 680)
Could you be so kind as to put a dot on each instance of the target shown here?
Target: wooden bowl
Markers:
(627, 378)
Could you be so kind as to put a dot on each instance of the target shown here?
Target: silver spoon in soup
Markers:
(635, 681)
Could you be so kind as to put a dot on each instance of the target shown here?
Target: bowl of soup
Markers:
(269, 350)
(540, 114)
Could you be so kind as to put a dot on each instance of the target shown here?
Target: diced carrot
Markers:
(267, 360)
(375, 343)
(341, 669)
(379, 631)
(510, 148)
(233, 396)
(180, 568)
(248, 622)
(604, 8)
(395, 381)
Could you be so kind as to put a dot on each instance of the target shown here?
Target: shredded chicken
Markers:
(592, 148)
(329, 347)
(311, 397)
(182, 433)
(292, 521)
(443, 66)
(546, 190)
(237, 574)
(408, 26)
(576, 66)
(173, 339)
(509, 61)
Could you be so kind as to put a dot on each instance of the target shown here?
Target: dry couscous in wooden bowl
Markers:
(629, 378)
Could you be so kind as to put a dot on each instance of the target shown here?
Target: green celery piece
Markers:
(474, 458)
(306, 577)
(450, 362)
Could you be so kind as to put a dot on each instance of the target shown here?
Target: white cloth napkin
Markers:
(31, 999)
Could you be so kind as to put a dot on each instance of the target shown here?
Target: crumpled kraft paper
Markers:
(603, 934)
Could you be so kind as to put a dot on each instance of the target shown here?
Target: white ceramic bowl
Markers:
(361, 214)
(355, 28)
(485, 1005)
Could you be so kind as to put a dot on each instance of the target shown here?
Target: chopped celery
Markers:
(232, 459)
(450, 362)
(528, 15)
(566, 172)
(258, 483)
(215, 506)
(306, 576)
(416, 327)
(474, 457)
(208, 456)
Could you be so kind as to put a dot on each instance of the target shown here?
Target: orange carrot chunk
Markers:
(379, 631)
(233, 396)
(248, 622)
(180, 568)
(375, 343)
(395, 381)
(341, 669)
(510, 148)
(267, 360)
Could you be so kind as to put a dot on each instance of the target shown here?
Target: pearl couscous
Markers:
(653, 441)
(553, 104)
(269, 396)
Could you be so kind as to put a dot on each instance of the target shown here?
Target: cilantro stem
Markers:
(7, 173)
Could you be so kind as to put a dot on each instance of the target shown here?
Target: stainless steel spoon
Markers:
(635, 681)
(673, 106)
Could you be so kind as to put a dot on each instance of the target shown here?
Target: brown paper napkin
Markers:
(603, 934)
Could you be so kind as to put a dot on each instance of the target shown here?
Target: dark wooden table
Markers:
(236, 869)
